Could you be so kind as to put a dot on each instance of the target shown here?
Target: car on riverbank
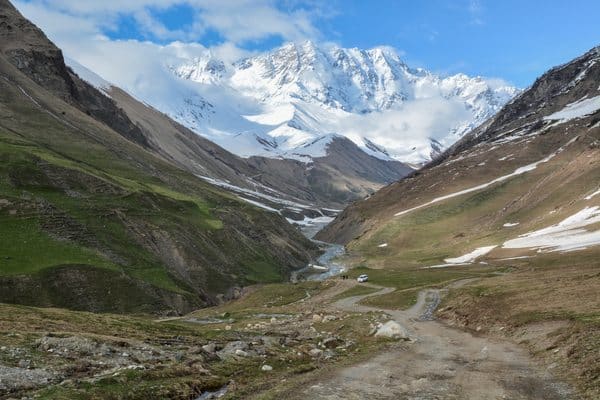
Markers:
(362, 278)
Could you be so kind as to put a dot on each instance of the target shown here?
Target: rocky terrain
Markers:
(272, 334)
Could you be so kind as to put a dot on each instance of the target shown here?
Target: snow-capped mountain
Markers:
(292, 101)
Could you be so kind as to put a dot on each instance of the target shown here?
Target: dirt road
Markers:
(439, 362)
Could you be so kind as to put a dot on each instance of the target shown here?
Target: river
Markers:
(325, 260)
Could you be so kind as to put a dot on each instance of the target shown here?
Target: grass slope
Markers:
(75, 193)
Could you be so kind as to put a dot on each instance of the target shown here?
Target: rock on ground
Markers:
(394, 330)
(12, 378)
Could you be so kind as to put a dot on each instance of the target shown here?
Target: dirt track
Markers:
(439, 363)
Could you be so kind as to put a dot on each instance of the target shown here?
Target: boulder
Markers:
(241, 353)
(236, 348)
(210, 348)
(394, 330)
(315, 353)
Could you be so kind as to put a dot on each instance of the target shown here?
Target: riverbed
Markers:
(325, 260)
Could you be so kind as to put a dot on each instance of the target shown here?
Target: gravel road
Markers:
(440, 362)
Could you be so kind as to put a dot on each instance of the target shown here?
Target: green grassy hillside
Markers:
(90, 220)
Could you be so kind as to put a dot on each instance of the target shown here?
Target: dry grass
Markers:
(550, 304)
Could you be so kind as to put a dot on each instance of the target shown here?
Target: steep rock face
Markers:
(94, 221)
(28, 49)
(546, 138)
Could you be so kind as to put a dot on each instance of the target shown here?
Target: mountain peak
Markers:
(301, 91)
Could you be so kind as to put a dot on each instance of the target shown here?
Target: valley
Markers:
(307, 221)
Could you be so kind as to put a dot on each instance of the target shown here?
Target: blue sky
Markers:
(509, 39)
(514, 40)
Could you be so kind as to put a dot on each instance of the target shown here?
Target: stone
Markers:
(266, 368)
(372, 329)
(317, 318)
(393, 330)
(329, 318)
(232, 348)
(315, 353)
(332, 342)
(210, 348)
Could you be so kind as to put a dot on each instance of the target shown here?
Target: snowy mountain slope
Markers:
(289, 114)
(524, 181)
(288, 98)
(344, 175)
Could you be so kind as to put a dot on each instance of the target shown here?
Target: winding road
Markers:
(439, 362)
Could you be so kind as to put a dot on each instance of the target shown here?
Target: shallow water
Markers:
(325, 260)
(213, 395)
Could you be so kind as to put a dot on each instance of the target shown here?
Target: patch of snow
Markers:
(513, 258)
(518, 171)
(567, 235)
(582, 74)
(470, 257)
(307, 221)
(259, 204)
(253, 193)
(510, 224)
(574, 110)
(592, 195)
(382, 245)
(445, 265)
(505, 157)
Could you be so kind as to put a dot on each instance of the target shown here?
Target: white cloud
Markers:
(81, 28)
(405, 130)
(237, 21)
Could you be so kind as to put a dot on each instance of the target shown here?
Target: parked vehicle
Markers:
(362, 278)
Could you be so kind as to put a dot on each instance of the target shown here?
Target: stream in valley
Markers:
(325, 266)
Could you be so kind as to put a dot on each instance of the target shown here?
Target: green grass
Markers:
(357, 290)
(426, 234)
(409, 282)
(177, 211)
(266, 296)
(25, 249)
(396, 300)
(406, 279)
(262, 271)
